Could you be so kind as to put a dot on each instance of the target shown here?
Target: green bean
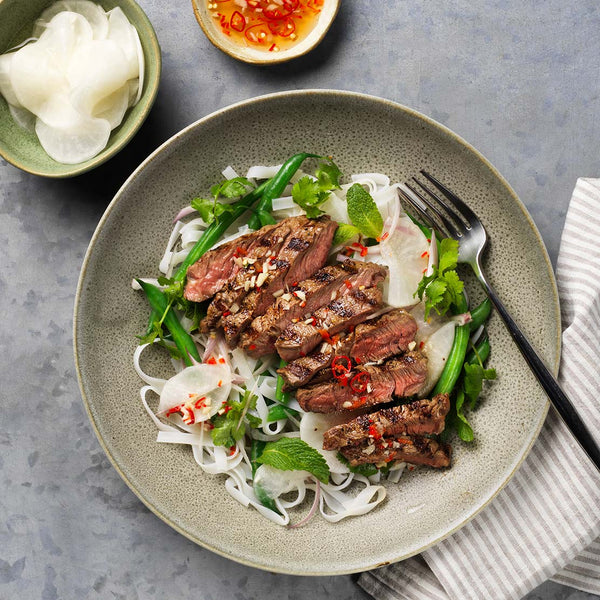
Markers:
(480, 314)
(480, 352)
(275, 188)
(160, 305)
(279, 411)
(456, 358)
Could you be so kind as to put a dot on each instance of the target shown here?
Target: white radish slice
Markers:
(193, 383)
(121, 32)
(6, 86)
(405, 253)
(133, 85)
(92, 12)
(276, 482)
(437, 349)
(312, 428)
(58, 111)
(113, 107)
(35, 76)
(429, 327)
(64, 34)
(75, 143)
(99, 68)
(22, 117)
(141, 65)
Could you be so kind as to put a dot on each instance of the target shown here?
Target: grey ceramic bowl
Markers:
(21, 147)
(363, 134)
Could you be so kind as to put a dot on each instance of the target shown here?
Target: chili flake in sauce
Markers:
(271, 25)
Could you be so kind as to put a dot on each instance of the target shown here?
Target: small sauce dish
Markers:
(265, 32)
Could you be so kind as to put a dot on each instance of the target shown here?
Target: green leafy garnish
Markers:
(230, 427)
(344, 233)
(310, 193)
(463, 428)
(293, 454)
(211, 209)
(363, 211)
(473, 381)
(443, 287)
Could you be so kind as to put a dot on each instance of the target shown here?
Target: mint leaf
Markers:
(293, 454)
(363, 211)
(344, 233)
(231, 425)
(308, 194)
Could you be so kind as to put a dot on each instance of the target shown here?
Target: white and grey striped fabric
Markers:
(546, 522)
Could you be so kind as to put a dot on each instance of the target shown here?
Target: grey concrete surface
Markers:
(517, 78)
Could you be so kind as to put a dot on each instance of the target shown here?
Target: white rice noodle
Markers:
(343, 505)
(166, 261)
(259, 172)
(229, 172)
(136, 286)
(284, 203)
(376, 178)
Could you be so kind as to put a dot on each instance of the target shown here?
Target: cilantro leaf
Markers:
(230, 427)
(448, 255)
(308, 194)
(474, 376)
(463, 428)
(231, 188)
(344, 233)
(210, 210)
(328, 175)
(293, 454)
(363, 211)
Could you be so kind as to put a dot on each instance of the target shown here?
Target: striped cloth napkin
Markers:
(546, 522)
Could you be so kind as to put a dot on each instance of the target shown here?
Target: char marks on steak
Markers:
(303, 253)
(401, 376)
(371, 341)
(213, 270)
(414, 449)
(298, 339)
(422, 417)
(303, 299)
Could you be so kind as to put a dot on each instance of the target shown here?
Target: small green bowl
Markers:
(21, 147)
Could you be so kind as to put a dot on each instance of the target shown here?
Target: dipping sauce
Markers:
(271, 25)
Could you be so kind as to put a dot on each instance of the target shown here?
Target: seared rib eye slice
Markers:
(401, 376)
(300, 338)
(371, 341)
(413, 449)
(213, 270)
(303, 253)
(422, 417)
(302, 300)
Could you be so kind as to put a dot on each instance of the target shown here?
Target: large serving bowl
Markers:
(21, 147)
(363, 134)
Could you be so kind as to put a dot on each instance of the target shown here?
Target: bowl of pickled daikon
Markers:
(77, 80)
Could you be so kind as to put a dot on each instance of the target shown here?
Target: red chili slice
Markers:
(283, 27)
(237, 21)
(273, 11)
(257, 33)
(341, 366)
(360, 381)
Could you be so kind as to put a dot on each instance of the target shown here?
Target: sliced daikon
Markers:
(133, 85)
(22, 117)
(141, 65)
(74, 143)
(64, 34)
(437, 349)
(405, 253)
(112, 107)
(6, 86)
(211, 382)
(121, 32)
(312, 428)
(92, 12)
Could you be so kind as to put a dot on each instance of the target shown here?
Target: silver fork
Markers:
(447, 213)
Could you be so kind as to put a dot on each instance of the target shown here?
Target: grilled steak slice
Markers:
(266, 245)
(414, 449)
(401, 376)
(300, 338)
(422, 417)
(380, 338)
(309, 295)
(211, 273)
(371, 341)
(303, 253)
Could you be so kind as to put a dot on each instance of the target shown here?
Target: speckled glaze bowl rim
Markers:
(272, 59)
(148, 98)
(265, 99)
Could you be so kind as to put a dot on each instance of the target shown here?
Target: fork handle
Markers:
(557, 396)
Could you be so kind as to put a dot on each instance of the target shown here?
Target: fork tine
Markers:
(427, 220)
(449, 227)
(467, 214)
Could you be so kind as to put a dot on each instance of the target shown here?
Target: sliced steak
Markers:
(266, 245)
(414, 449)
(401, 376)
(383, 337)
(298, 339)
(422, 417)
(371, 341)
(303, 299)
(211, 273)
(303, 253)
